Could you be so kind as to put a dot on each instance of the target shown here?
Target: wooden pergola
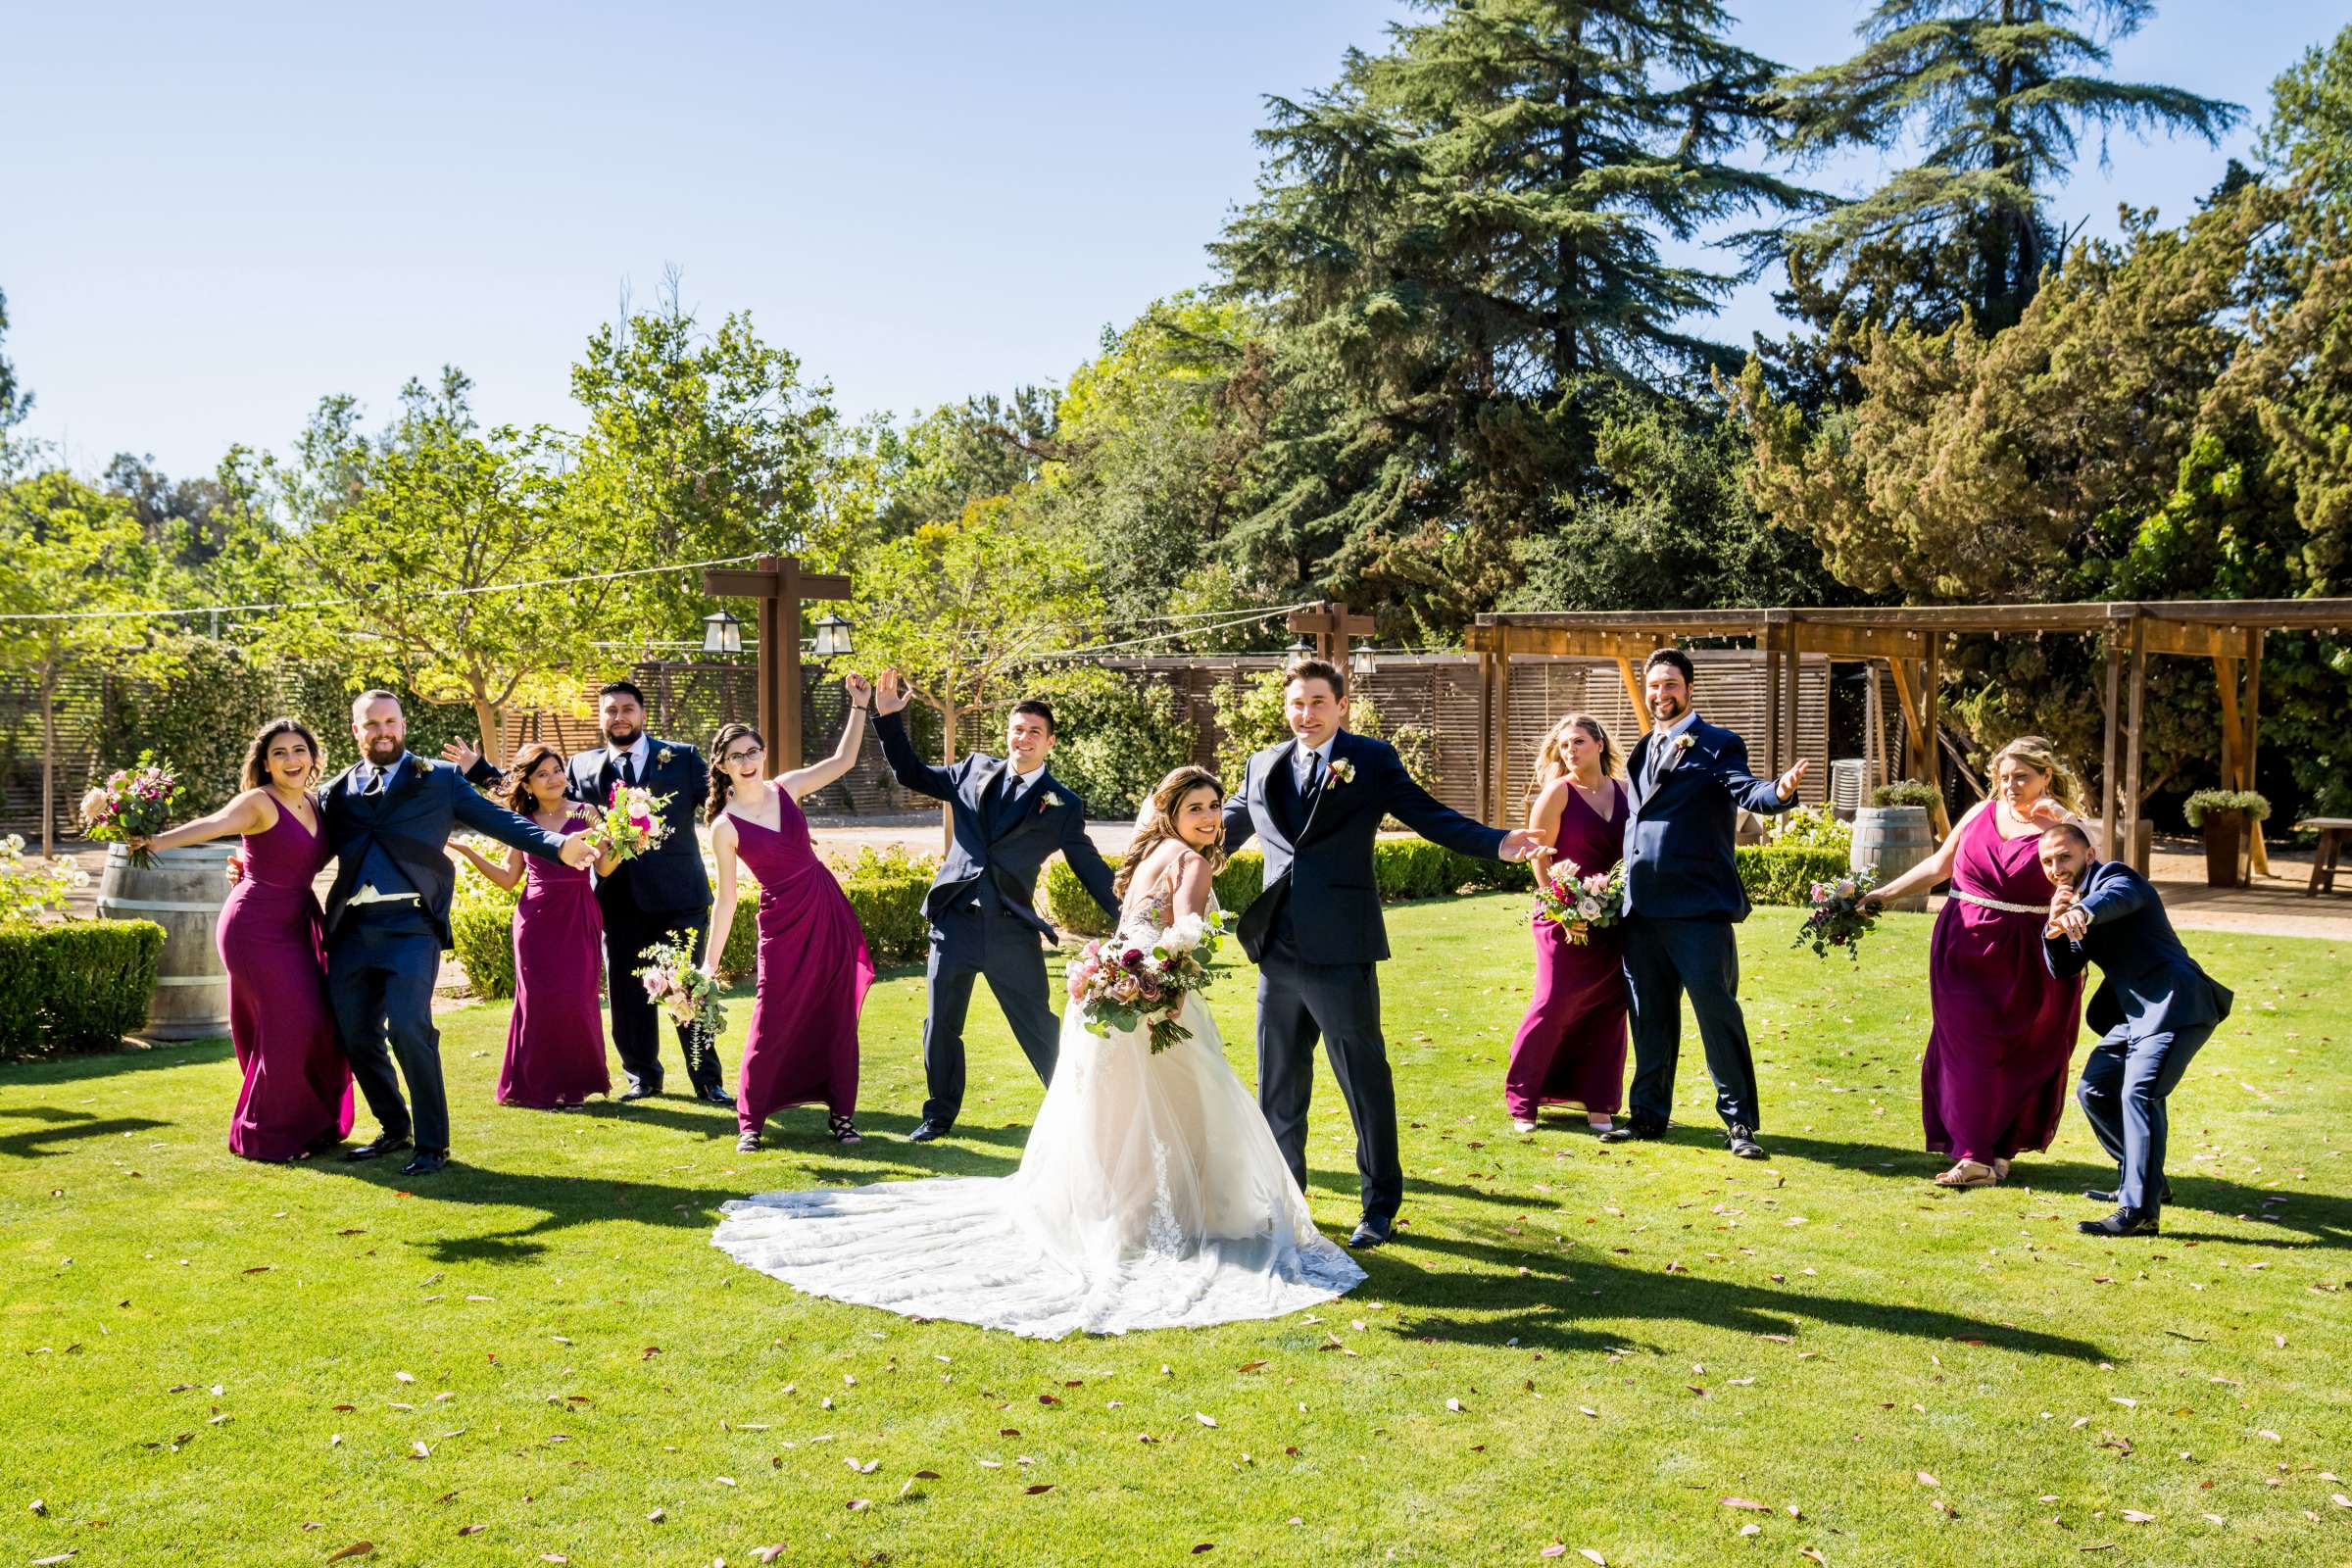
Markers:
(1910, 640)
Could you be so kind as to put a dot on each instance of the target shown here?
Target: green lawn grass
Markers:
(209, 1361)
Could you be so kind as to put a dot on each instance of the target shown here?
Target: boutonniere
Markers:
(1682, 744)
(421, 767)
(1343, 771)
(662, 757)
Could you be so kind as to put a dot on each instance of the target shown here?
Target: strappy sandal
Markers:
(1959, 1177)
(748, 1144)
(843, 1130)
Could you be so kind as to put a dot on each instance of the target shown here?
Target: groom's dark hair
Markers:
(1308, 667)
(1674, 657)
(1036, 709)
(611, 687)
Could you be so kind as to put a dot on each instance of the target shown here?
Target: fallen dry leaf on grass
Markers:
(358, 1549)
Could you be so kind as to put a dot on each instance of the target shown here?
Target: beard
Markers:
(619, 733)
(1665, 710)
(385, 750)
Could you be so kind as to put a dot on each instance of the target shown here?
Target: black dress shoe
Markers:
(1743, 1143)
(1370, 1233)
(712, 1095)
(2117, 1197)
(380, 1144)
(428, 1161)
(639, 1090)
(2123, 1222)
(1625, 1132)
(925, 1131)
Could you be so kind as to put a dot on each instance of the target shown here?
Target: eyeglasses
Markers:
(753, 755)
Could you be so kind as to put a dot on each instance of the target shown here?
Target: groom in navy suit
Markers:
(1315, 804)
(1682, 896)
(2155, 1009)
(387, 818)
(1009, 816)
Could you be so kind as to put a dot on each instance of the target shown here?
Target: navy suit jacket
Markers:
(669, 879)
(1050, 818)
(411, 820)
(1319, 853)
(1678, 835)
(2151, 984)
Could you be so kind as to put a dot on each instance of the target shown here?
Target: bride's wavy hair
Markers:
(1156, 825)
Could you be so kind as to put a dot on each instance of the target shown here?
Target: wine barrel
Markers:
(1893, 839)
(182, 891)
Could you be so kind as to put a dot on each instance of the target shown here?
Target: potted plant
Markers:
(1893, 833)
(2223, 816)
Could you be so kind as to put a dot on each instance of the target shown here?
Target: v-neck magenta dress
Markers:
(814, 973)
(297, 1090)
(1570, 1050)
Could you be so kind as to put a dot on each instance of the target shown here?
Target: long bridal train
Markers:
(1150, 1196)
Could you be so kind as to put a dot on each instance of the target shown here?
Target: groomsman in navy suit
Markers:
(1682, 896)
(2155, 1008)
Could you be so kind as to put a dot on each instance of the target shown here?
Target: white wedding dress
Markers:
(1150, 1195)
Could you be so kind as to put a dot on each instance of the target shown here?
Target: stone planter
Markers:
(1892, 839)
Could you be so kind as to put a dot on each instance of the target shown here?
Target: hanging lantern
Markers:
(833, 637)
(722, 633)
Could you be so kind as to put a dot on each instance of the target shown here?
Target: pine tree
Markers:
(1999, 91)
(1459, 246)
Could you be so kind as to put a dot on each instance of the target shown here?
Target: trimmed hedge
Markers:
(885, 889)
(1414, 868)
(79, 986)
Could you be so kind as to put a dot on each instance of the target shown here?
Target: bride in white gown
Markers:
(1150, 1195)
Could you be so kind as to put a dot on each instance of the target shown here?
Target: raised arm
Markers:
(2114, 898)
(470, 763)
(1544, 821)
(507, 873)
(805, 781)
(1764, 796)
(911, 770)
(247, 814)
(1084, 859)
(1937, 867)
(511, 827)
(722, 916)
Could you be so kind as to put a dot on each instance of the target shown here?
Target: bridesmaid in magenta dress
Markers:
(814, 965)
(1570, 1050)
(296, 1096)
(556, 1034)
(1994, 1079)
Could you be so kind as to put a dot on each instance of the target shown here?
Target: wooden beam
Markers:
(1632, 692)
(1564, 644)
(2189, 639)
(1502, 740)
(1841, 641)
(1485, 738)
(1906, 700)
(751, 584)
(1794, 737)
(2257, 857)
(2111, 757)
(2136, 713)
(2224, 681)
(1769, 638)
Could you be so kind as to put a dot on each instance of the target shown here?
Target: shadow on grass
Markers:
(2321, 1220)
(1539, 1309)
(131, 1057)
(65, 1127)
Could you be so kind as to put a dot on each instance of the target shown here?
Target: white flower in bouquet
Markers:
(1185, 933)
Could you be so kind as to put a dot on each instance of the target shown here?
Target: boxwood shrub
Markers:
(77, 986)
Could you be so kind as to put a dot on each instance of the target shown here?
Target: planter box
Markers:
(2225, 835)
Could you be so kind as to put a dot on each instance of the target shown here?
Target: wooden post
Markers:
(1931, 745)
(1768, 640)
(1633, 693)
(1332, 627)
(1874, 731)
(2111, 757)
(2258, 858)
(1487, 813)
(781, 588)
(2129, 852)
(1503, 729)
(1795, 734)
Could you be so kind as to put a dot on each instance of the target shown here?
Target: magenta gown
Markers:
(297, 1088)
(555, 1036)
(1994, 1078)
(813, 975)
(1570, 1050)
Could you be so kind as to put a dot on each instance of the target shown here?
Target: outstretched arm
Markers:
(1087, 860)
(1748, 792)
(247, 814)
(1937, 867)
(513, 828)
(911, 770)
(1443, 825)
(806, 781)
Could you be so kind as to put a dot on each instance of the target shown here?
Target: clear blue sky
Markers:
(213, 215)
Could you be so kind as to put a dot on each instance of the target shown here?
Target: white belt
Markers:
(1996, 904)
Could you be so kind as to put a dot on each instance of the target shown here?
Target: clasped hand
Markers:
(2067, 917)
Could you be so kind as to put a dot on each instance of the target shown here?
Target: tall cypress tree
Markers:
(1999, 91)
(1458, 246)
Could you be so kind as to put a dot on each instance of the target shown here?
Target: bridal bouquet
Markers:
(1582, 902)
(678, 987)
(629, 823)
(133, 804)
(1841, 914)
(1141, 973)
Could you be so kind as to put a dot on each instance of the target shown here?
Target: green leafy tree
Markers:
(68, 547)
(1115, 738)
(1461, 241)
(15, 401)
(405, 529)
(1999, 92)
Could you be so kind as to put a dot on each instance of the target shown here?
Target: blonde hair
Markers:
(1157, 824)
(1552, 760)
(2042, 757)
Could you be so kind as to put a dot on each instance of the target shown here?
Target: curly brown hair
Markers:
(518, 797)
(256, 772)
(1161, 827)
